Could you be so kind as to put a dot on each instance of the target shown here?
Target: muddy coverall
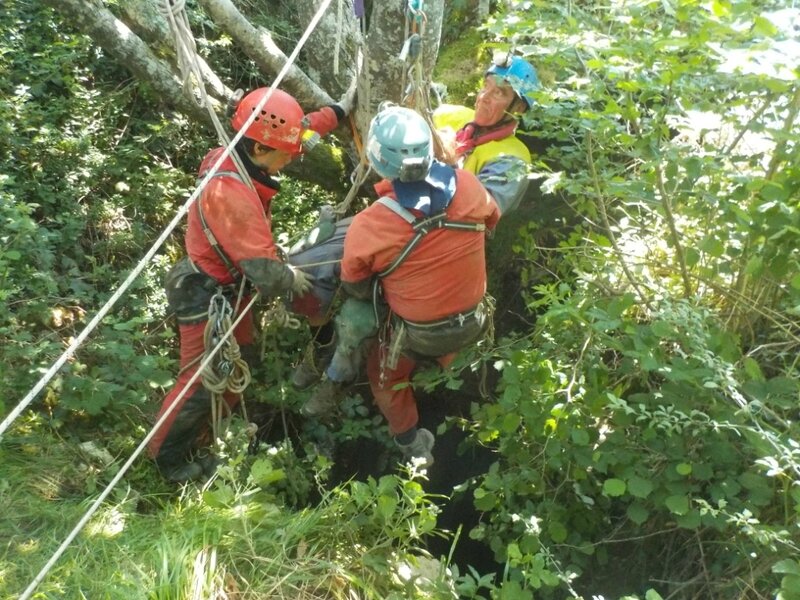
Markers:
(240, 220)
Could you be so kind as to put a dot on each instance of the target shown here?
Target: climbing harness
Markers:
(421, 227)
(393, 331)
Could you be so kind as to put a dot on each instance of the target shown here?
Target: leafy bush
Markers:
(650, 416)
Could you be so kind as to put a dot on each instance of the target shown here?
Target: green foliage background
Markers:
(644, 427)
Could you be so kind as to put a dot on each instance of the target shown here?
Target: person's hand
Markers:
(302, 282)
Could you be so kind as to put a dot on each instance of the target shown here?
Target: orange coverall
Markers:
(444, 275)
(241, 221)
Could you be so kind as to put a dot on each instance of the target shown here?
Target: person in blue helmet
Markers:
(413, 267)
(482, 140)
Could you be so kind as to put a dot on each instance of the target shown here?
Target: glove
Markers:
(302, 282)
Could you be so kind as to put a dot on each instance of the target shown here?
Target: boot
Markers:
(181, 472)
(420, 448)
(309, 372)
(306, 374)
(324, 400)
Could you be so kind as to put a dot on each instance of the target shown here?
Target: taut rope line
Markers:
(104, 494)
(67, 354)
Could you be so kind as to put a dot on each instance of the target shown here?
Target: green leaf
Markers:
(662, 329)
(721, 8)
(511, 422)
(637, 513)
(678, 505)
(557, 531)
(651, 594)
(484, 501)
(796, 282)
(683, 468)
(614, 487)
(639, 487)
(691, 520)
(580, 437)
(787, 566)
(386, 506)
(754, 266)
(763, 26)
(752, 368)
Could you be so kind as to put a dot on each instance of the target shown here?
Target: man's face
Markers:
(493, 101)
(272, 160)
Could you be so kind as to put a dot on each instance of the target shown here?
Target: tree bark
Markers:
(384, 73)
(257, 43)
(332, 50)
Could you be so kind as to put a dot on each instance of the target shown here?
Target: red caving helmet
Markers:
(279, 124)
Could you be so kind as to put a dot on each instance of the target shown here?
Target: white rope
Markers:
(104, 494)
(68, 353)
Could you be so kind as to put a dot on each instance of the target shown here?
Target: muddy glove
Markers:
(302, 282)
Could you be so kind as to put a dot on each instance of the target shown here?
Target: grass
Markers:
(228, 540)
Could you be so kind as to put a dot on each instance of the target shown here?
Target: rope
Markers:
(104, 494)
(278, 314)
(82, 336)
(358, 178)
(416, 94)
(229, 372)
(189, 65)
(70, 351)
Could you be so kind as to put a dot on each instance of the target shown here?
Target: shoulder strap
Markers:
(421, 227)
(212, 240)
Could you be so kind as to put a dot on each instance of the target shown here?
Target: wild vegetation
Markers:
(642, 409)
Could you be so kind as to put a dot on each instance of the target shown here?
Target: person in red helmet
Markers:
(228, 237)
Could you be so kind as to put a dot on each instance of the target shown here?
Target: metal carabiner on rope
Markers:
(414, 8)
(219, 311)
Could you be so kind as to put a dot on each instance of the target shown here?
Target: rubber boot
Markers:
(309, 372)
(174, 458)
(420, 449)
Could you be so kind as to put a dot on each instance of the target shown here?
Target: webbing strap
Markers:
(421, 227)
(212, 239)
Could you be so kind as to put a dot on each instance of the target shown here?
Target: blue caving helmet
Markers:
(518, 73)
(399, 144)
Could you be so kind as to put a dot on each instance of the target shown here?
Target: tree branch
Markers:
(601, 203)
(93, 19)
(673, 228)
(257, 43)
